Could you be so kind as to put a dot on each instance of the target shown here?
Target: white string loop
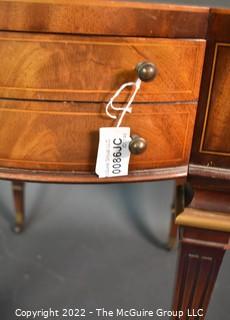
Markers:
(126, 108)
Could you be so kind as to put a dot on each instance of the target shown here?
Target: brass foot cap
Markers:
(17, 228)
(171, 244)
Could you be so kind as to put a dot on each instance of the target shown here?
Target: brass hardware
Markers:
(137, 145)
(146, 71)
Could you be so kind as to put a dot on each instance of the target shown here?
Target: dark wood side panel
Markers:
(210, 178)
(76, 68)
(212, 135)
(62, 136)
(219, 25)
(104, 17)
(215, 137)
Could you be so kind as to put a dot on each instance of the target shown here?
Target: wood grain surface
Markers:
(73, 68)
(211, 146)
(104, 17)
(216, 133)
(64, 136)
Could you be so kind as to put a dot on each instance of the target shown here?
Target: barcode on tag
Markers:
(113, 152)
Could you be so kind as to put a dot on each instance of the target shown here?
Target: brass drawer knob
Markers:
(146, 71)
(137, 145)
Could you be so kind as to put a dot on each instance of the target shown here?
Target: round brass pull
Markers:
(137, 145)
(146, 71)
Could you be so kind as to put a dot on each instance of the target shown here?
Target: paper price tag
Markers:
(113, 152)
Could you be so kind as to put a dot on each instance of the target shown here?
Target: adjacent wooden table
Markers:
(60, 63)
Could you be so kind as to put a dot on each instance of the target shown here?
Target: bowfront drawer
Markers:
(64, 136)
(54, 89)
(77, 68)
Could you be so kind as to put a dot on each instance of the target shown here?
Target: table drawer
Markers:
(77, 68)
(64, 136)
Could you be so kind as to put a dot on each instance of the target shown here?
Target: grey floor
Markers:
(208, 3)
(90, 247)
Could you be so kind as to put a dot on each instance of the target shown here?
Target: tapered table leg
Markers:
(200, 256)
(182, 197)
(172, 240)
(177, 203)
(18, 195)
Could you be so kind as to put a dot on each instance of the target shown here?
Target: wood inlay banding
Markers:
(78, 68)
(64, 136)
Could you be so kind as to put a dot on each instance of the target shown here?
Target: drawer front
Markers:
(76, 68)
(64, 136)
